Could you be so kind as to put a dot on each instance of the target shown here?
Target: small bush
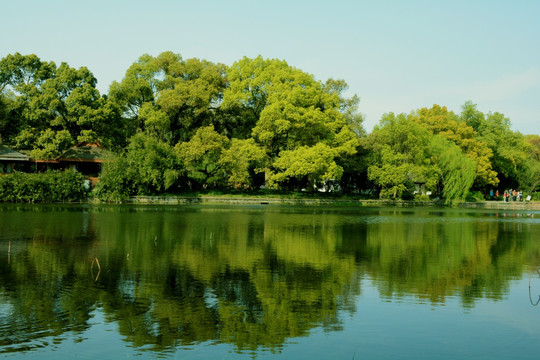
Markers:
(421, 197)
(474, 196)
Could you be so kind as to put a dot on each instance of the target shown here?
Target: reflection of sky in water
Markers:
(404, 328)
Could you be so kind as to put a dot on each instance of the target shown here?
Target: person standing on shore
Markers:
(505, 196)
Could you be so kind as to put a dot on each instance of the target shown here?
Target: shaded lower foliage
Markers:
(51, 186)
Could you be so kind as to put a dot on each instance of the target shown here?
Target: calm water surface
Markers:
(268, 282)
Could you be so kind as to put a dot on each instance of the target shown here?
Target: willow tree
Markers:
(456, 169)
(439, 121)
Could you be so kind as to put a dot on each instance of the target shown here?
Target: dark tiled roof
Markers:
(8, 154)
(84, 152)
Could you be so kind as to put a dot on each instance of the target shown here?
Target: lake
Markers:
(268, 282)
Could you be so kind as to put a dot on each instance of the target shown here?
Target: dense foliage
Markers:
(181, 125)
(51, 186)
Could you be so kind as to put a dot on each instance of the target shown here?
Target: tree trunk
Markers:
(266, 177)
(534, 186)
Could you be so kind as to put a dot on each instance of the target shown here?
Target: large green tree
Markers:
(400, 156)
(509, 148)
(18, 73)
(147, 167)
(439, 121)
(212, 159)
(8, 116)
(52, 108)
(170, 98)
(529, 176)
(405, 152)
(293, 116)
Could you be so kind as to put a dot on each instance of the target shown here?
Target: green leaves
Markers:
(439, 121)
(239, 159)
(18, 71)
(51, 144)
(53, 186)
(170, 98)
(508, 149)
(405, 152)
(316, 163)
(457, 170)
(299, 122)
(148, 167)
(54, 102)
(190, 122)
(154, 163)
(156, 122)
(202, 153)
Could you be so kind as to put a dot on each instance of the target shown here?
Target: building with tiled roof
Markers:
(10, 159)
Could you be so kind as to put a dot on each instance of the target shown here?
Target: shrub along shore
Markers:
(47, 187)
(67, 187)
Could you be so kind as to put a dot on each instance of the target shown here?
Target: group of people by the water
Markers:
(507, 195)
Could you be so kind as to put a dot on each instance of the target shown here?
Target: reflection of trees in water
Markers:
(167, 282)
(251, 279)
(46, 295)
(435, 259)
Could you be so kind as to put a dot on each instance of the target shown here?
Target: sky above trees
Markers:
(396, 56)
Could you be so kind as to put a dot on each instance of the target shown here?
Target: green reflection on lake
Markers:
(254, 277)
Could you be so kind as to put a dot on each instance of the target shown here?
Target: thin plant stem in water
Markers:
(92, 268)
(530, 297)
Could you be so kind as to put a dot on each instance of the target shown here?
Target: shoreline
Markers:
(179, 200)
(262, 200)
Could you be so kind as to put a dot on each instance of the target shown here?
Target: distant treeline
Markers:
(180, 125)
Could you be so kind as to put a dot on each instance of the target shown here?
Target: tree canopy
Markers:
(180, 124)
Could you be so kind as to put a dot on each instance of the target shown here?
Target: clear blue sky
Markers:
(397, 56)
